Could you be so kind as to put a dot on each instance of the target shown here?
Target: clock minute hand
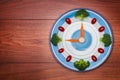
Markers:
(82, 31)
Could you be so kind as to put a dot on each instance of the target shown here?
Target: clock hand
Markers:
(82, 34)
(73, 40)
(82, 31)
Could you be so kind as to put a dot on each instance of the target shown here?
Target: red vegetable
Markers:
(94, 58)
(100, 50)
(68, 20)
(68, 58)
(61, 50)
(61, 29)
(93, 21)
(102, 28)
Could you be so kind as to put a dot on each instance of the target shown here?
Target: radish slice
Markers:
(93, 21)
(94, 58)
(68, 21)
(68, 58)
(61, 50)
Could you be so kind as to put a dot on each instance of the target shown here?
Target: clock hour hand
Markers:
(73, 40)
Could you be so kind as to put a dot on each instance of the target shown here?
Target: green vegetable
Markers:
(55, 39)
(81, 64)
(106, 40)
(81, 14)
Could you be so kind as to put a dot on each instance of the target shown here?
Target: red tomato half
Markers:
(94, 58)
(93, 21)
(61, 50)
(102, 28)
(68, 58)
(61, 29)
(100, 50)
(68, 20)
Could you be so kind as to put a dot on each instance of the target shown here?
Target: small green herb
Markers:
(55, 39)
(81, 14)
(81, 64)
(106, 40)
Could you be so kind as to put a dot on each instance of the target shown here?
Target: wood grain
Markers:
(53, 71)
(25, 52)
(45, 9)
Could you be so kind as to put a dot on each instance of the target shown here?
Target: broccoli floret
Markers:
(81, 64)
(55, 39)
(81, 14)
(106, 40)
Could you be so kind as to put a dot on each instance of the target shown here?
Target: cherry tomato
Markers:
(68, 58)
(61, 50)
(68, 20)
(100, 50)
(94, 58)
(93, 21)
(61, 29)
(102, 28)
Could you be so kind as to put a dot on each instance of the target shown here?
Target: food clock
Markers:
(81, 40)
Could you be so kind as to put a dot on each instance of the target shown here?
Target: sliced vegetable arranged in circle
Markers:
(61, 50)
(94, 58)
(68, 58)
(68, 21)
(101, 29)
(61, 29)
(93, 21)
(100, 50)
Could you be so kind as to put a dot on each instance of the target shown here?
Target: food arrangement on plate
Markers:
(81, 40)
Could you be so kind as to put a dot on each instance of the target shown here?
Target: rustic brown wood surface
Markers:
(25, 27)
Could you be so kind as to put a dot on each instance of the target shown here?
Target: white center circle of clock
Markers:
(68, 34)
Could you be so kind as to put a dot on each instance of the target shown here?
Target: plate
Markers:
(81, 39)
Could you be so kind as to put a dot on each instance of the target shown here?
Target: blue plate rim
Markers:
(108, 53)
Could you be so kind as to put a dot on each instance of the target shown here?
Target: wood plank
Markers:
(45, 9)
(25, 40)
(54, 71)
(28, 41)
(25, 27)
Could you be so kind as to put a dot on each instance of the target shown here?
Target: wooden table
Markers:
(25, 27)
